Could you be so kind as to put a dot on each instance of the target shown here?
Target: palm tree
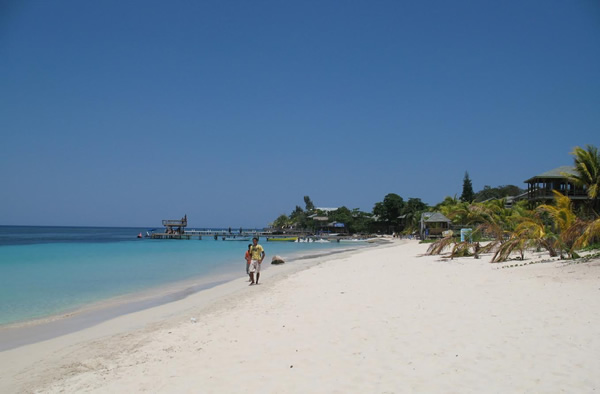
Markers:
(589, 234)
(438, 246)
(587, 166)
(564, 220)
(282, 221)
(530, 233)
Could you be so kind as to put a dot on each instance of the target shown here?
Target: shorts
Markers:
(254, 266)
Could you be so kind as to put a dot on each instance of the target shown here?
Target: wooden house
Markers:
(540, 187)
(433, 224)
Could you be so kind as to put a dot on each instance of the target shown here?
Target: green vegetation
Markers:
(587, 166)
(555, 228)
(489, 193)
(467, 194)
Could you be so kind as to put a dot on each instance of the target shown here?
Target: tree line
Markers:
(485, 208)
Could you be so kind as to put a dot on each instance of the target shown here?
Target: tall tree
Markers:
(467, 194)
(489, 192)
(282, 221)
(390, 209)
(361, 221)
(308, 204)
(298, 217)
(587, 165)
(342, 215)
(412, 213)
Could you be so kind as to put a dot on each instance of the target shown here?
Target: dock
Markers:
(214, 234)
(176, 229)
(246, 236)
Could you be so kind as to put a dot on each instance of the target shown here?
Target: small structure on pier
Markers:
(175, 226)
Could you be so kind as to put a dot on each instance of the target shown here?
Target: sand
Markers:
(380, 320)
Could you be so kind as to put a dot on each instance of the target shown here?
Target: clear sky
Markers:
(118, 113)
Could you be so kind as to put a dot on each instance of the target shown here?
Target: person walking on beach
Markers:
(258, 254)
(248, 258)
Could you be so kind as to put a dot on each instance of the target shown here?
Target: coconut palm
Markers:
(507, 248)
(589, 235)
(459, 249)
(438, 246)
(565, 222)
(464, 213)
(587, 166)
(282, 221)
(530, 233)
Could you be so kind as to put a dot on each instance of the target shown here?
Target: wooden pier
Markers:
(176, 229)
(246, 236)
(210, 234)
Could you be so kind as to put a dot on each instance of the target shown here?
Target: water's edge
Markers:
(23, 333)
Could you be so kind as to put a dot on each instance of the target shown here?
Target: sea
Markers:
(49, 271)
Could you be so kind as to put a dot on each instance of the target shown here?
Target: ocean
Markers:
(48, 271)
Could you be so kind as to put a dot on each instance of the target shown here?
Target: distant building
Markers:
(326, 210)
(540, 187)
(433, 224)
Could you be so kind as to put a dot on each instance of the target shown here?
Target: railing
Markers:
(547, 194)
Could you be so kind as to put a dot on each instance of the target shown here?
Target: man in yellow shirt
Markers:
(258, 255)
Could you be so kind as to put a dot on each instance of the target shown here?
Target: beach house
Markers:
(540, 187)
(433, 224)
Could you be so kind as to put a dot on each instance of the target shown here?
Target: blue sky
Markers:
(120, 113)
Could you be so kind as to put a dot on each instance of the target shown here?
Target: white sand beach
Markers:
(378, 320)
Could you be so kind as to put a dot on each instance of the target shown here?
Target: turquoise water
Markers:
(49, 270)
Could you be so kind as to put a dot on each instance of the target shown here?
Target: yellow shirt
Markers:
(256, 252)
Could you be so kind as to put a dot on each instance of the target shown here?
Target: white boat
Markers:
(283, 238)
(236, 238)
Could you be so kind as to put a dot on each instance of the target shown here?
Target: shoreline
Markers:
(14, 335)
(384, 319)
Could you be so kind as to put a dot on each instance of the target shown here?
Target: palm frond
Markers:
(439, 246)
(506, 249)
(461, 249)
(590, 235)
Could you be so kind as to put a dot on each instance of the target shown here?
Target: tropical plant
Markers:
(411, 214)
(530, 233)
(440, 245)
(590, 234)
(298, 217)
(464, 213)
(361, 221)
(282, 221)
(465, 249)
(587, 166)
(499, 192)
(342, 215)
(507, 248)
(564, 220)
(459, 249)
(390, 210)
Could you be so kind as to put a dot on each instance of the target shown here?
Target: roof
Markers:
(321, 218)
(555, 173)
(326, 209)
(434, 217)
